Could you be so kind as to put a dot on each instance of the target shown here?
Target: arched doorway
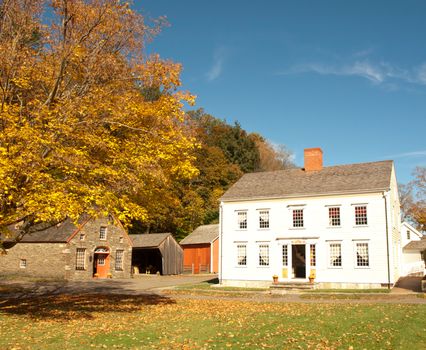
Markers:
(101, 262)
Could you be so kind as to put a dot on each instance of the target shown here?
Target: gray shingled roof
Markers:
(202, 234)
(417, 245)
(148, 240)
(45, 232)
(298, 182)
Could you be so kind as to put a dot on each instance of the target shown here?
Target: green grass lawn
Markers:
(140, 322)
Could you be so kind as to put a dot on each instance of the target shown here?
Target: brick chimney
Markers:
(313, 159)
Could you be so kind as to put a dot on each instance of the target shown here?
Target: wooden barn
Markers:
(156, 253)
(201, 250)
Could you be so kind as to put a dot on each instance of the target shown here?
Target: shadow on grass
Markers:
(66, 307)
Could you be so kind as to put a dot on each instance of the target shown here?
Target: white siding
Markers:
(316, 230)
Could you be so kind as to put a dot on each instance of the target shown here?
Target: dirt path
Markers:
(164, 287)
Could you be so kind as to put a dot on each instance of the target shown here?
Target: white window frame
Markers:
(241, 247)
(356, 243)
(103, 233)
(313, 254)
(264, 214)
(119, 260)
(241, 223)
(23, 263)
(331, 218)
(263, 248)
(302, 210)
(355, 206)
(80, 259)
(330, 265)
(285, 258)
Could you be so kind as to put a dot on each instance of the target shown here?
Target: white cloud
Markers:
(408, 154)
(377, 73)
(217, 67)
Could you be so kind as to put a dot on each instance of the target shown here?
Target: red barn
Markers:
(201, 250)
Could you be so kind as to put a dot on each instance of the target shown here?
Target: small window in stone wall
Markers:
(119, 260)
(23, 263)
(103, 233)
(82, 236)
(80, 259)
(121, 240)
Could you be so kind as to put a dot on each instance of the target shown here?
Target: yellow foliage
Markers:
(77, 130)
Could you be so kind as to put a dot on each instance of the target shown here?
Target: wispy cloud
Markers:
(219, 57)
(377, 73)
(408, 154)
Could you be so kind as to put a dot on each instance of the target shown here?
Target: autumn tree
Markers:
(87, 122)
(271, 157)
(413, 199)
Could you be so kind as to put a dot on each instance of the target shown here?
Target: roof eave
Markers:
(341, 193)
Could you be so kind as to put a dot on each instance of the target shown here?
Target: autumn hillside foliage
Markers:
(224, 154)
(79, 128)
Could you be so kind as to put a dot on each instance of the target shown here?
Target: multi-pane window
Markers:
(101, 260)
(361, 215)
(313, 255)
(241, 254)
(297, 217)
(263, 254)
(80, 259)
(119, 259)
(362, 257)
(334, 216)
(103, 233)
(263, 218)
(242, 220)
(335, 254)
(408, 234)
(23, 263)
(285, 255)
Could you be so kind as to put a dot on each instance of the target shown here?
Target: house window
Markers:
(263, 218)
(362, 257)
(285, 255)
(361, 215)
(23, 263)
(80, 259)
(408, 234)
(82, 236)
(264, 255)
(121, 240)
(241, 254)
(119, 260)
(313, 255)
(335, 254)
(101, 260)
(297, 217)
(242, 220)
(334, 216)
(103, 233)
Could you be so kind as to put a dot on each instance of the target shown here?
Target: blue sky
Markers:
(349, 77)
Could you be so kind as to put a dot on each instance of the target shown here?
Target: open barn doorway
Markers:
(148, 261)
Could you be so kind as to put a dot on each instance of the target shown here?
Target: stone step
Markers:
(292, 286)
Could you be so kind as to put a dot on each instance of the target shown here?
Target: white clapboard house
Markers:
(337, 224)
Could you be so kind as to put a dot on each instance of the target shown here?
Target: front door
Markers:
(101, 265)
(298, 260)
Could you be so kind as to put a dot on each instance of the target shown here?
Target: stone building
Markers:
(91, 248)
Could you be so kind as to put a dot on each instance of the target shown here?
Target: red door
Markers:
(101, 265)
